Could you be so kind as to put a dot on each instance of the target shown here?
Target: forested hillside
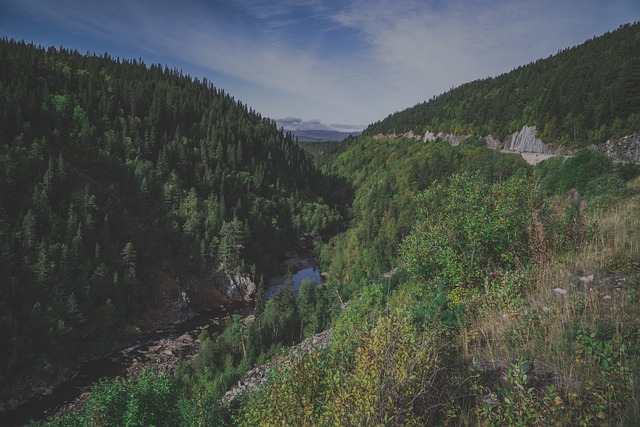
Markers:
(582, 95)
(114, 174)
(386, 176)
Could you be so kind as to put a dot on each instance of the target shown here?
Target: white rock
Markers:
(587, 279)
(560, 291)
(526, 141)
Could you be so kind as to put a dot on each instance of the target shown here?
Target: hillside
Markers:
(582, 95)
(126, 190)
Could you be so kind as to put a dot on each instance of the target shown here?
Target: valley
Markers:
(473, 259)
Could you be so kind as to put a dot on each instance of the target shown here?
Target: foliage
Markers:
(149, 400)
(387, 175)
(519, 403)
(294, 396)
(468, 229)
(284, 321)
(397, 378)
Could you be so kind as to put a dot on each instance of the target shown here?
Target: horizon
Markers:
(321, 65)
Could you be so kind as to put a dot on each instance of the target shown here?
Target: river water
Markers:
(115, 363)
(310, 273)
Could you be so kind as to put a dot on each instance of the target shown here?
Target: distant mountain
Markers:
(582, 95)
(322, 135)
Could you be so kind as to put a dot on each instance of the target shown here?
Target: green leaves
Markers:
(468, 228)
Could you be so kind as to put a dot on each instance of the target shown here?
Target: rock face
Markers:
(236, 286)
(181, 311)
(492, 142)
(626, 149)
(526, 141)
(454, 140)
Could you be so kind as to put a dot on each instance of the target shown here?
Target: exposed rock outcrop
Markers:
(626, 149)
(454, 140)
(235, 286)
(181, 311)
(492, 142)
(526, 141)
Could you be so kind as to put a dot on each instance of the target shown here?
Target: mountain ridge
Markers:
(583, 95)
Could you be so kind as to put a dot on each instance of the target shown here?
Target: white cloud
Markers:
(387, 55)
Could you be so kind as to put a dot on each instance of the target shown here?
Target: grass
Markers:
(585, 343)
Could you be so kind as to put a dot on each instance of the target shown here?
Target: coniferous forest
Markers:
(113, 171)
(464, 285)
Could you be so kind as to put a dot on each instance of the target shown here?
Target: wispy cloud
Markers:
(343, 62)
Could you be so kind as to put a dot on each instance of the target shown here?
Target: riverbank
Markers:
(161, 350)
(162, 345)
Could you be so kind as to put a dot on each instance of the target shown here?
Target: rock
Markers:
(492, 142)
(180, 310)
(505, 316)
(526, 141)
(587, 279)
(607, 297)
(626, 149)
(454, 140)
(237, 286)
(527, 366)
(560, 291)
(490, 399)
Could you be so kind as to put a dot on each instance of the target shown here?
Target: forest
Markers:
(464, 286)
(113, 173)
(580, 96)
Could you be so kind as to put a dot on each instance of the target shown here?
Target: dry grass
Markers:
(543, 325)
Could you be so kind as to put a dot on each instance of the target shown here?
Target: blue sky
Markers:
(338, 64)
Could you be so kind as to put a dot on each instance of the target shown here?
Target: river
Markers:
(116, 363)
(309, 273)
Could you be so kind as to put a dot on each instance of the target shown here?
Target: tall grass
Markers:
(582, 336)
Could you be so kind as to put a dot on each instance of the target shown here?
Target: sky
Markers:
(321, 64)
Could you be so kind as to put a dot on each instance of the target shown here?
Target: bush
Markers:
(467, 229)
